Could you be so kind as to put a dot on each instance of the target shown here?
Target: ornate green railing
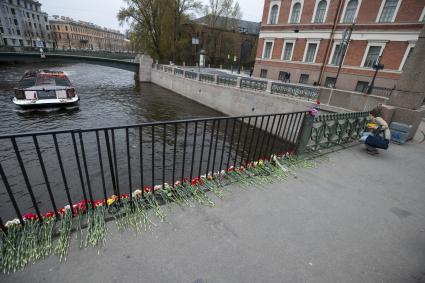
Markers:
(327, 131)
(229, 81)
(168, 69)
(179, 72)
(206, 78)
(254, 84)
(190, 75)
(293, 90)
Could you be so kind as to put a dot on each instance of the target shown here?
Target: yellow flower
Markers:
(111, 200)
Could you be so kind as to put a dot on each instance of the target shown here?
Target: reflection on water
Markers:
(109, 97)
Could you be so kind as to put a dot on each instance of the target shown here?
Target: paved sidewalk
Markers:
(354, 218)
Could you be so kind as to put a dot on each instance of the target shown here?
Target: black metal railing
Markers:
(45, 171)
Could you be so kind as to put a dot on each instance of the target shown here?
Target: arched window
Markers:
(321, 11)
(273, 14)
(296, 11)
(350, 12)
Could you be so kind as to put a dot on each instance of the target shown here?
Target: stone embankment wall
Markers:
(235, 101)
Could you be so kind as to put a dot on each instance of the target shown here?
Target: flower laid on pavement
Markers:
(27, 242)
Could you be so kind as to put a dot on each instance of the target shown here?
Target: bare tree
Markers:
(221, 16)
(158, 22)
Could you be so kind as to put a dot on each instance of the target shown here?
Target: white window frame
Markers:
(301, 10)
(406, 53)
(369, 44)
(382, 8)
(284, 46)
(336, 42)
(272, 3)
(315, 10)
(264, 49)
(345, 10)
(309, 41)
(422, 15)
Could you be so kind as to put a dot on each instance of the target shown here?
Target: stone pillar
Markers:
(238, 82)
(145, 68)
(269, 86)
(409, 93)
(305, 134)
(410, 89)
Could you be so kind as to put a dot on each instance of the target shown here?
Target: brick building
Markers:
(304, 38)
(70, 34)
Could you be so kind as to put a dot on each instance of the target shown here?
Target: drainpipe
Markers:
(331, 40)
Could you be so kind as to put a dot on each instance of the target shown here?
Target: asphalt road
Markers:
(354, 218)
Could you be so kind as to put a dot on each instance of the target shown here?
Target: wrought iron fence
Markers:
(47, 170)
(295, 90)
(254, 84)
(178, 72)
(326, 131)
(207, 78)
(190, 75)
(88, 53)
(168, 69)
(227, 80)
(381, 91)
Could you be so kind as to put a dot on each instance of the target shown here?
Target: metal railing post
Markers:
(305, 134)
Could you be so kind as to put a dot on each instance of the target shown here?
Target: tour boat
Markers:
(38, 89)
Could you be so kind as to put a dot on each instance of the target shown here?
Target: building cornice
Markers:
(340, 26)
(368, 35)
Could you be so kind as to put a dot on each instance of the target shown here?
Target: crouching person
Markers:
(379, 133)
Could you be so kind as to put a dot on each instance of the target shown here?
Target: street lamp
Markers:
(243, 31)
(377, 66)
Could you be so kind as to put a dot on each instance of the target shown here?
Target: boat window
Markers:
(45, 80)
(62, 81)
(59, 80)
(26, 82)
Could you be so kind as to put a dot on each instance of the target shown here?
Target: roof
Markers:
(62, 19)
(250, 27)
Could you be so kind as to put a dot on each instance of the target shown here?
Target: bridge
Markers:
(122, 61)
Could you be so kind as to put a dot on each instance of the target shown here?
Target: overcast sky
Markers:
(104, 12)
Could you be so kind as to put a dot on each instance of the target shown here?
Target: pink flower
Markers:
(313, 112)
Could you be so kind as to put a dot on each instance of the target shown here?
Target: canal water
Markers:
(111, 97)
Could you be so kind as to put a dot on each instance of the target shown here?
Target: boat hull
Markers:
(46, 103)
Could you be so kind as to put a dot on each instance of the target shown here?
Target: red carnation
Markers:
(147, 189)
(30, 216)
(48, 214)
